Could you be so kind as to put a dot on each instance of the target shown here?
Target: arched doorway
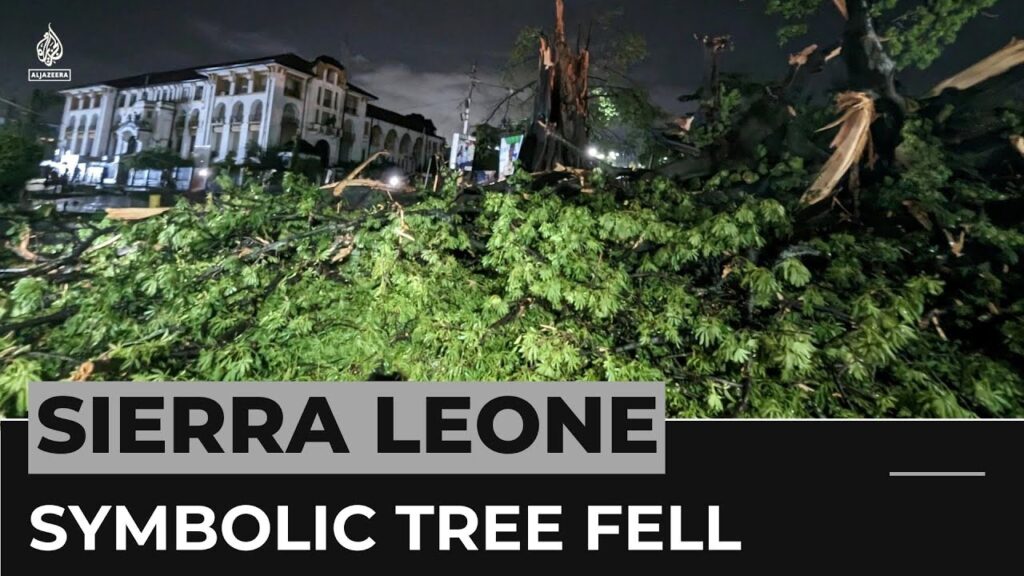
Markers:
(323, 150)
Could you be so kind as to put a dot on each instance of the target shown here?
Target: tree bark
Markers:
(871, 70)
(558, 133)
(869, 66)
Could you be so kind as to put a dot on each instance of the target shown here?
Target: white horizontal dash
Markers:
(937, 474)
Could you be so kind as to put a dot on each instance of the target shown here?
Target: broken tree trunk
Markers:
(872, 71)
(869, 66)
(558, 133)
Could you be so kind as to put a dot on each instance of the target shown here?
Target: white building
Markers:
(220, 112)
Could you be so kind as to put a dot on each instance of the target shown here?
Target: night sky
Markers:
(416, 54)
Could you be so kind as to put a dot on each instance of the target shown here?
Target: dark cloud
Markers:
(416, 54)
(242, 43)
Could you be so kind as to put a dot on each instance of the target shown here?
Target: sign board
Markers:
(463, 152)
(510, 148)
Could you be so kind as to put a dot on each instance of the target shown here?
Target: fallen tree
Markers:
(781, 279)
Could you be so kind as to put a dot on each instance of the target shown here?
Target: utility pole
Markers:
(469, 102)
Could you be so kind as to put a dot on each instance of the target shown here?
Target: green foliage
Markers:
(793, 10)
(19, 161)
(710, 286)
(918, 36)
(902, 299)
(915, 35)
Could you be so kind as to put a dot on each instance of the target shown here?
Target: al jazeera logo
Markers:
(49, 51)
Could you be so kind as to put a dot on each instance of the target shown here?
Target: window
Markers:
(199, 92)
(259, 83)
(223, 86)
(256, 113)
(293, 87)
(328, 99)
(351, 104)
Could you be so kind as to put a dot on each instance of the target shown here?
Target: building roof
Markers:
(293, 61)
(355, 88)
(414, 122)
(329, 60)
(290, 60)
(155, 78)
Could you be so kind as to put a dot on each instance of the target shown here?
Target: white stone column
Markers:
(73, 145)
(225, 142)
(243, 139)
(273, 109)
(205, 132)
(107, 103)
(186, 137)
(65, 121)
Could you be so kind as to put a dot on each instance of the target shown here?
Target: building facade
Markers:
(226, 112)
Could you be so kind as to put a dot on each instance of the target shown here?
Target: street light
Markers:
(395, 181)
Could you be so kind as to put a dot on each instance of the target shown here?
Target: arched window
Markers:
(376, 138)
(255, 123)
(405, 147)
(219, 113)
(256, 113)
(391, 141)
(238, 113)
(417, 151)
(291, 113)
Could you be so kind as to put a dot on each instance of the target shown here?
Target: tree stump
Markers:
(558, 133)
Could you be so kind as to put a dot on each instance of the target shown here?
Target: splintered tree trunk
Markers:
(558, 133)
(869, 66)
(872, 70)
